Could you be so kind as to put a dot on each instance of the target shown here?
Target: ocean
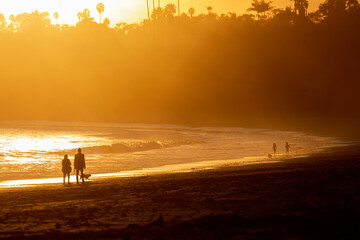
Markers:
(34, 150)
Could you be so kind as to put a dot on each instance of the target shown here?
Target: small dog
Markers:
(86, 176)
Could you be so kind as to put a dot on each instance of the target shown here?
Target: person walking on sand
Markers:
(287, 149)
(79, 165)
(274, 148)
(66, 168)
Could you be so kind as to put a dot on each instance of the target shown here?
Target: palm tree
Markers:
(170, 10)
(56, 16)
(209, 8)
(191, 11)
(33, 21)
(84, 15)
(178, 7)
(158, 14)
(148, 11)
(100, 7)
(159, 3)
(300, 7)
(261, 7)
(40, 19)
(79, 15)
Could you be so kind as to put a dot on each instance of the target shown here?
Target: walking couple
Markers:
(79, 166)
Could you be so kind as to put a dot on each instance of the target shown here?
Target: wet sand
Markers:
(308, 198)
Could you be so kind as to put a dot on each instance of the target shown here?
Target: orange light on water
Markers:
(176, 168)
(26, 144)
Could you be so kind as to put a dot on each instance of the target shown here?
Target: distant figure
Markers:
(66, 168)
(287, 148)
(79, 165)
(269, 156)
(274, 148)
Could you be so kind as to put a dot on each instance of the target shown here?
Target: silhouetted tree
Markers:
(284, 16)
(65, 27)
(84, 16)
(100, 7)
(178, 7)
(261, 8)
(353, 7)
(130, 27)
(335, 9)
(39, 18)
(11, 27)
(158, 14)
(106, 22)
(209, 8)
(3, 23)
(19, 19)
(232, 15)
(206, 63)
(56, 16)
(170, 10)
(33, 21)
(79, 16)
(300, 7)
(191, 11)
(120, 26)
(148, 10)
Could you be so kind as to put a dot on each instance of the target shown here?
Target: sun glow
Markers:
(129, 11)
(117, 11)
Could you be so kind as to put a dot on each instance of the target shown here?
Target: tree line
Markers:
(278, 68)
(260, 10)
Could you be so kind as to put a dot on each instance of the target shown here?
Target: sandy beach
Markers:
(195, 119)
(308, 198)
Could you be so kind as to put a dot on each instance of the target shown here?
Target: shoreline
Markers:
(161, 170)
(173, 168)
(314, 197)
(214, 144)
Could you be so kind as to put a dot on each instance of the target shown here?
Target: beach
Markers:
(230, 120)
(314, 197)
(34, 150)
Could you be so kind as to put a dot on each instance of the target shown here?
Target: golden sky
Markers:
(127, 10)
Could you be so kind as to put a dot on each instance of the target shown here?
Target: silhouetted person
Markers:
(66, 168)
(274, 148)
(287, 148)
(79, 165)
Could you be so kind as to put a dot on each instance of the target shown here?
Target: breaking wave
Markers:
(127, 147)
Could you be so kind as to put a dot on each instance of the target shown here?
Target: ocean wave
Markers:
(126, 147)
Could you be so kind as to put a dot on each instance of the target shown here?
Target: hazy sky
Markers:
(127, 10)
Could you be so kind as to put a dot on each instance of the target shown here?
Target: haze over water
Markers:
(33, 150)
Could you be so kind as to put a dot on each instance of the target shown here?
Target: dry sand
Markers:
(309, 198)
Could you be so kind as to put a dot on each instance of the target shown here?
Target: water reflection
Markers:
(34, 151)
(176, 168)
